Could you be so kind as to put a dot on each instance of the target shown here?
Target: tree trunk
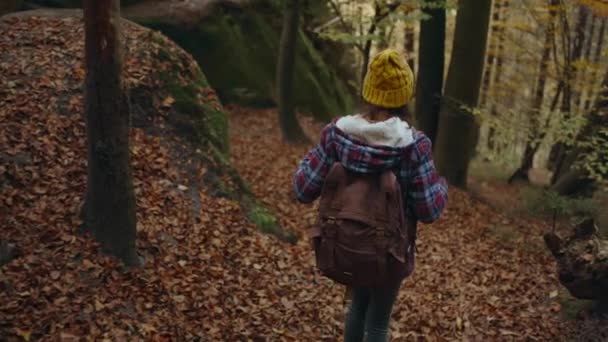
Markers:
(378, 17)
(410, 46)
(110, 199)
(596, 60)
(491, 54)
(581, 79)
(366, 55)
(458, 129)
(500, 46)
(573, 54)
(536, 137)
(582, 39)
(290, 127)
(431, 57)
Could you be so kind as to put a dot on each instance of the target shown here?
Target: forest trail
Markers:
(479, 275)
(482, 274)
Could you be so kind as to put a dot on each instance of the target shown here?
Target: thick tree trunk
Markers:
(458, 129)
(290, 127)
(431, 57)
(110, 200)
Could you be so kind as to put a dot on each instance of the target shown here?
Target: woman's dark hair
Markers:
(402, 112)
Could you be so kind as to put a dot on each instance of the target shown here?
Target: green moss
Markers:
(217, 124)
(237, 51)
(263, 219)
(571, 306)
(200, 121)
(267, 223)
(207, 127)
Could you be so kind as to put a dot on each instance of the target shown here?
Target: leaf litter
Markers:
(209, 274)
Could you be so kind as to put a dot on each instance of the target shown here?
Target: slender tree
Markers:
(573, 49)
(290, 127)
(110, 199)
(381, 12)
(536, 133)
(491, 53)
(410, 45)
(431, 57)
(458, 129)
(498, 61)
(597, 55)
(581, 74)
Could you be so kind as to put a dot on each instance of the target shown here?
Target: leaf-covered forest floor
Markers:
(209, 274)
(480, 275)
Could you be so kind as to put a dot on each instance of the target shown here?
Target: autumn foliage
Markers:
(209, 274)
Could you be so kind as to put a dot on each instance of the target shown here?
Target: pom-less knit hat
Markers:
(389, 81)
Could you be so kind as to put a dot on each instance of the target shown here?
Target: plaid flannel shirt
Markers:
(425, 193)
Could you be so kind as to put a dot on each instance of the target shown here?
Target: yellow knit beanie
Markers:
(389, 81)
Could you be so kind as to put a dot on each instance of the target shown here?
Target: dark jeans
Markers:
(370, 312)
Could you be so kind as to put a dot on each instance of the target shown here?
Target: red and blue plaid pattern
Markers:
(425, 193)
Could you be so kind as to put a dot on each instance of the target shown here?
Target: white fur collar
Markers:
(393, 132)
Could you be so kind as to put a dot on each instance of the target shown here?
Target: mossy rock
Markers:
(237, 50)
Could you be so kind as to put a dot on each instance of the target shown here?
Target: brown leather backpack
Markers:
(361, 237)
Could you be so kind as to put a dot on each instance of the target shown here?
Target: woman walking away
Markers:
(376, 178)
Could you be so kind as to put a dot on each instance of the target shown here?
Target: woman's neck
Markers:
(376, 116)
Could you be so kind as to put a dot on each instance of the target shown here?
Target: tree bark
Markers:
(458, 128)
(491, 53)
(110, 199)
(431, 57)
(410, 46)
(596, 60)
(573, 52)
(290, 127)
(582, 79)
(498, 61)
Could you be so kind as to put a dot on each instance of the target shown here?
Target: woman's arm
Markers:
(427, 192)
(311, 173)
